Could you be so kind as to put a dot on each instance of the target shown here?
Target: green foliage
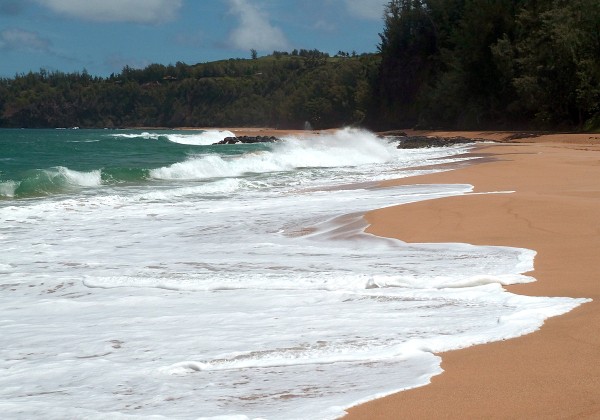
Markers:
(280, 90)
(407, 44)
(481, 63)
(559, 61)
(441, 63)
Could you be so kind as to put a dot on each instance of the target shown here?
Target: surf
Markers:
(346, 148)
(242, 284)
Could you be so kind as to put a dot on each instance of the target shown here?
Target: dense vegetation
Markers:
(491, 63)
(441, 63)
(280, 90)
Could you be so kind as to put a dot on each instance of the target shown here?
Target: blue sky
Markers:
(102, 36)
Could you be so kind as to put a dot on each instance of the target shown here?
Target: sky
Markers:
(103, 36)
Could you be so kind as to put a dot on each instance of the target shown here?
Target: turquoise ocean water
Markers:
(152, 274)
(46, 162)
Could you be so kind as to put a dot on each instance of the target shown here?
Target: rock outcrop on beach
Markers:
(418, 142)
(248, 139)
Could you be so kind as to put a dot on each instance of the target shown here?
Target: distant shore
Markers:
(554, 210)
(496, 136)
(262, 131)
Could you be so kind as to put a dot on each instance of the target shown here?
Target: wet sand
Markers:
(554, 210)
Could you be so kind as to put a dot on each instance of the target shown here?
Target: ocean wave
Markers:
(144, 136)
(344, 148)
(347, 147)
(8, 188)
(193, 138)
(40, 182)
(76, 178)
(224, 186)
(204, 138)
(124, 175)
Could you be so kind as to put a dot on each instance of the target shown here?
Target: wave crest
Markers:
(347, 147)
(41, 182)
(204, 138)
(193, 138)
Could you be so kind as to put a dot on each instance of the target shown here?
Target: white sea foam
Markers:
(204, 138)
(144, 136)
(8, 188)
(49, 181)
(252, 297)
(195, 138)
(219, 187)
(76, 178)
(346, 148)
(214, 166)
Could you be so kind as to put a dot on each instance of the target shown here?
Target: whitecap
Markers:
(346, 148)
(8, 188)
(78, 178)
(202, 138)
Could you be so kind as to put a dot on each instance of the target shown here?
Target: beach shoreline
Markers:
(552, 209)
(296, 315)
(494, 136)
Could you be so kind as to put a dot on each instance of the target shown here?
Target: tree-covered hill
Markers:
(510, 64)
(284, 90)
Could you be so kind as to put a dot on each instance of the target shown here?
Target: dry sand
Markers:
(555, 210)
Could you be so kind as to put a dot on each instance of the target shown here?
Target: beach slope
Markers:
(554, 209)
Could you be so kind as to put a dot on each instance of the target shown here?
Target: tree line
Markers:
(490, 63)
(284, 90)
(508, 64)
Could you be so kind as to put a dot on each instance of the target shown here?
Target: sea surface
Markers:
(151, 274)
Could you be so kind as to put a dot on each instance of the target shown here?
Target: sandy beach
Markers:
(159, 275)
(554, 210)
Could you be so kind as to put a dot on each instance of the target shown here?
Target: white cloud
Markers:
(366, 9)
(138, 11)
(19, 39)
(254, 29)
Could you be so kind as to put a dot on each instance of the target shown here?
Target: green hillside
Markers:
(285, 90)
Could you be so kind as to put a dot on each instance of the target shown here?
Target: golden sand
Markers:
(554, 210)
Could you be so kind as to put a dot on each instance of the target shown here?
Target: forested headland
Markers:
(279, 90)
(468, 64)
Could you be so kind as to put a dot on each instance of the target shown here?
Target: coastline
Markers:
(553, 372)
(261, 131)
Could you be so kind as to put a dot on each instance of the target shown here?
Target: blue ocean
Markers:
(154, 274)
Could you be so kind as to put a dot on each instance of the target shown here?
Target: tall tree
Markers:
(558, 51)
(408, 44)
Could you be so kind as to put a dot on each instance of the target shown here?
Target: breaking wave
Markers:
(40, 182)
(348, 147)
(193, 138)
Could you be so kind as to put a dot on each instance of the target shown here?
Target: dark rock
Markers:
(228, 140)
(418, 142)
(517, 136)
(248, 139)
